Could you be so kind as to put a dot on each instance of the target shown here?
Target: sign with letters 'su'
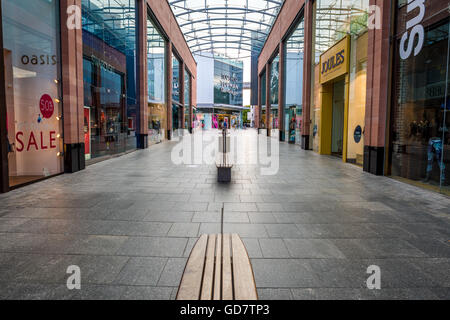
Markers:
(414, 29)
(335, 62)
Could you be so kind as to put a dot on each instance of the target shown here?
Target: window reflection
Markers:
(274, 83)
(334, 19)
(420, 135)
(262, 122)
(109, 54)
(294, 53)
(177, 112)
(32, 89)
(157, 108)
(187, 98)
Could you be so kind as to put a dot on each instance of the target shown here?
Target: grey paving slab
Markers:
(253, 248)
(376, 248)
(313, 248)
(153, 246)
(246, 230)
(434, 248)
(259, 217)
(274, 294)
(283, 273)
(330, 294)
(146, 293)
(169, 216)
(311, 230)
(337, 230)
(362, 294)
(240, 206)
(437, 269)
(274, 206)
(172, 273)
(283, 231)
(97, 244)
(184, 229)
(209, 228)
(141, 271)
(208, 216)
(273, 248)
(11, 224)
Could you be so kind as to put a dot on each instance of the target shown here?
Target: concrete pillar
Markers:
(72, 88)
(307, 75)
(281, 84)
(142, 134)
(378, 71)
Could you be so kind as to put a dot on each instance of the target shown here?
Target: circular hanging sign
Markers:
(46, 106)
(357, 134)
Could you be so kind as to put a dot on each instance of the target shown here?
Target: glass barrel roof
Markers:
(232, 28)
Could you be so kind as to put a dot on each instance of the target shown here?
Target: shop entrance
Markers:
(333, 129)
(337, 127)
(334, 100)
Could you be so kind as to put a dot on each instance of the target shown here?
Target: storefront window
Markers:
(32, 76)
(339, 93)
(157, 109)
(262, 121)
(187, 98)
(175, 79)
(274, 83)
(420, 138)
(335, 19)
(177, 115)
(109, 50)
(357, 99)
(294, 52)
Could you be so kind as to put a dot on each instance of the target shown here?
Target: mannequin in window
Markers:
(434, 152)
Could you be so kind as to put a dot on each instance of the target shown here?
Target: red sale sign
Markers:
(46, 106)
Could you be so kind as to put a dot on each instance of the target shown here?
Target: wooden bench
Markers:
(218, 268)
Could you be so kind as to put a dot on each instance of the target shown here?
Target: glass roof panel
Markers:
(233, 28)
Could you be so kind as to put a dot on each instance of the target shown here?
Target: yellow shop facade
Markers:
(340, 96)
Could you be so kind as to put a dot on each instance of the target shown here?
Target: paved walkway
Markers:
(311, 230)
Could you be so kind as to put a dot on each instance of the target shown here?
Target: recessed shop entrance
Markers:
(334, 100)
(338, 110)
(333, 129)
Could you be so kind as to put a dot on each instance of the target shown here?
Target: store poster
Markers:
(87, 133)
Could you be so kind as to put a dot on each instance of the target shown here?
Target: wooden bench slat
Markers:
(244, 284)
(227, 289)
(218, 270)
(208, 275)
(190, 285)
